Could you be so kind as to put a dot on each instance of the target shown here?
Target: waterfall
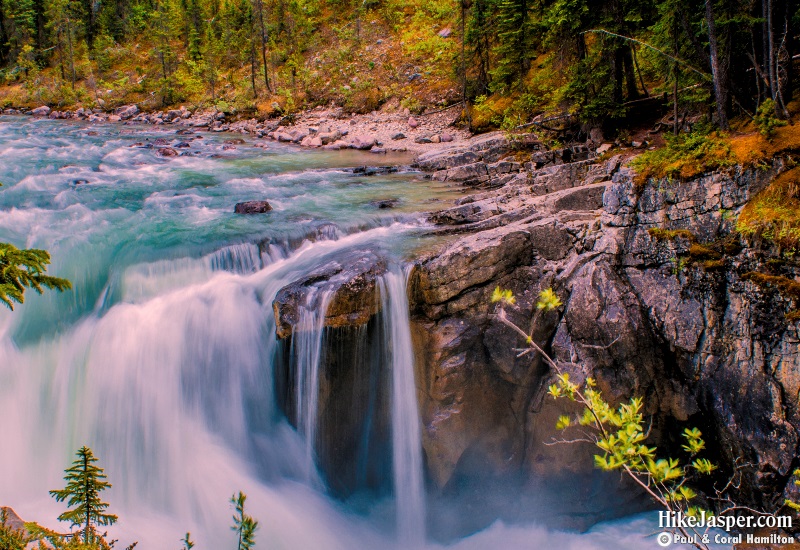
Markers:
(409, 484)
(307, 351)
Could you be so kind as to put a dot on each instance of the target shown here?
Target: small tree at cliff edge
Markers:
(85, 480)
(620, 432)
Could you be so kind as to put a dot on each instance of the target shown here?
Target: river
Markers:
(161, 357)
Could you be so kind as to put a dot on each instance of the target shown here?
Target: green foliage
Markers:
(85, 481)
(21, 269)
(10, 538)
(548, 300)
(621, 436)
(188, 544)
(767, 120)
(685, 156)
(620, 432)
(243, 525)
(505, 297)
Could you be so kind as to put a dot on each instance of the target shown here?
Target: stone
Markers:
(44, 110)
(362, 142)
(604, 148)
(383, 204)
(167, 152)
(445, 32)
(412, 122)
(446, 138)
(352, 279)
(127, 111)
(329, 137)
(398, 136)
(252, 207)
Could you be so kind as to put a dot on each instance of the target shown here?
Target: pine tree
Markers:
(243, 525)
(25, 268)
(514, 35)
(84, 483)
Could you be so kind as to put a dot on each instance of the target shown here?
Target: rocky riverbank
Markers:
(383, 131)
(662, 298)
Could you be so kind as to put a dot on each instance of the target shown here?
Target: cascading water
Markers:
(307, 349)
(161, 358)
(409, 484)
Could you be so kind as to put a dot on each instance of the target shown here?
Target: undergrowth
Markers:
(774, 214)
(685, 156)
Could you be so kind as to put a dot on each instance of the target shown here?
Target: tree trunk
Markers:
(717, 69)
(264, 38)
(71, 53)
(630, 73)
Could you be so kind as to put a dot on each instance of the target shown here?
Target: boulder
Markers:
(252, 207)
(127, 111)
(44, 110)
(351, 283)
(412, 122)
(167, 152)
(363, 142)
(329, 137)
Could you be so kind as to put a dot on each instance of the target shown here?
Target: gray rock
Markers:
(44, 110)
(351, 279)
(362, 142)
(127, 111)
(252, 207)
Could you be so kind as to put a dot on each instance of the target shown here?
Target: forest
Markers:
(510, 60)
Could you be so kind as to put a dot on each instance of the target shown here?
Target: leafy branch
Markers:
(619, 432)
(21, 269)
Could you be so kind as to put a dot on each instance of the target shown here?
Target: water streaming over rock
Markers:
(162, 358)
(409, 484)
(307, 351)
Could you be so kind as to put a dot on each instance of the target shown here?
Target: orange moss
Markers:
(774, 213)
(751, 149)
(668, 234)
(788, 287)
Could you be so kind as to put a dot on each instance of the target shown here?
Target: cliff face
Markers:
(659, 301)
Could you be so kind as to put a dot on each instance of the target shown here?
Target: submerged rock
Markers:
(252, 207)
(167, 152)
(385, 203)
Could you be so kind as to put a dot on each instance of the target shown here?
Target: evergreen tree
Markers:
(85, 481)
(21, 269)
(11, 538)
(514, 36)
(243, 525)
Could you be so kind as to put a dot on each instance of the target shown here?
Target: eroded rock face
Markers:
(352, 282)
(703, 346)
